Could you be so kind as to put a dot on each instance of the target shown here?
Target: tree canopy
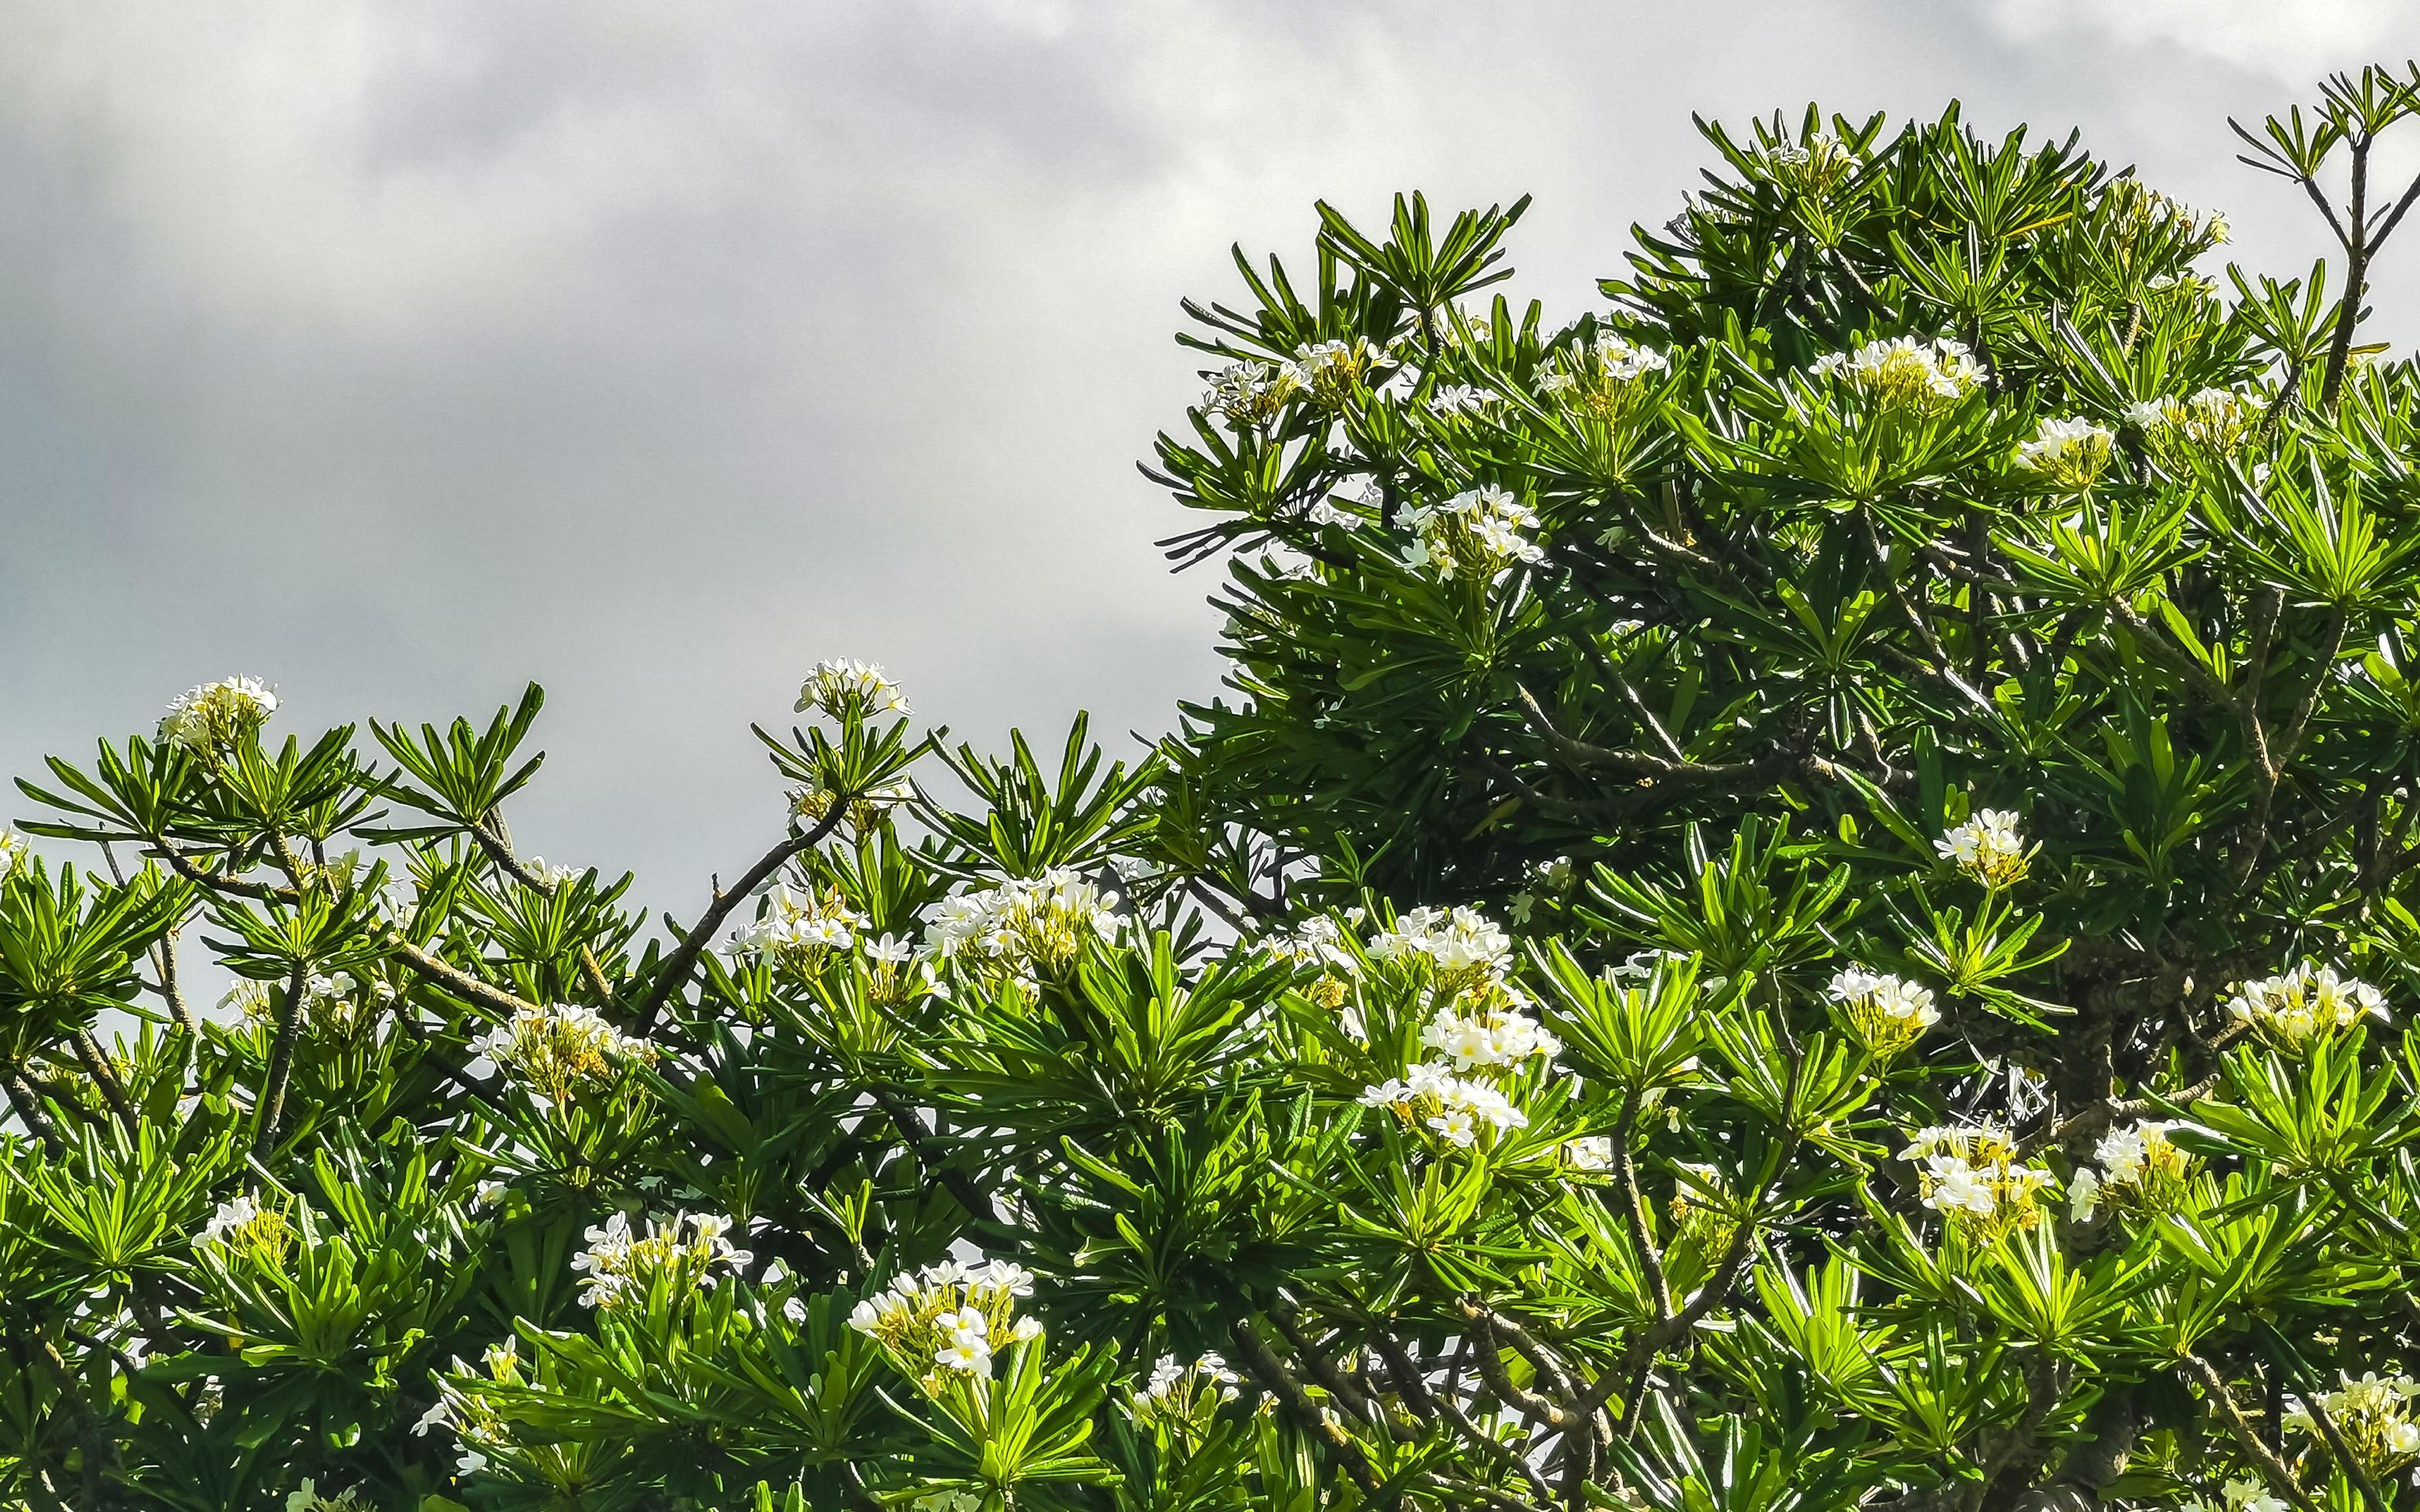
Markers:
(1805, 898)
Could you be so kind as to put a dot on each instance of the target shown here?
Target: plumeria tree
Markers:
(1806, 899)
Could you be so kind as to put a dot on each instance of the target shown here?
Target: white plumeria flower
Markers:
(2305, 1003)
(844, 689)
(966, 1353)
(2072, 453)
(1902, 369)
(211, 719)
(1457, 1126)
(1588, 1152)
(1987, 848)
(1888, 1013)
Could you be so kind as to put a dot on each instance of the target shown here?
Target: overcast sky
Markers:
(402, 353)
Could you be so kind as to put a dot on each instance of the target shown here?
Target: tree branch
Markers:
(2247, 1438)
(281, 1060)
(500, 852)
(1252, 1352)
(28, 1105)
(105, 1078)
(674, 975)
(457, 981)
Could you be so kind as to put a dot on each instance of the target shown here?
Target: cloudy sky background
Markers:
(400, 354)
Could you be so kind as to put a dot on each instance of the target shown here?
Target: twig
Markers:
(920, 1144)
(171, 989)
(500, 852)
(1654, 767)
(1633, 1208)
(674, 975)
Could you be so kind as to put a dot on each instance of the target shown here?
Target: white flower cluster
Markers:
(1477, 532)
(1315, 941)
(1973, 1178)
(2140, 1166)
(2212, 421)
(211, 719)
(562, 1049)
(797, 928)
(1987, 848)
(844, 689)
(1903, 371)
(1588, 1153)
(1463, 945)
(2373, 1414)
(947, 1317)
(1332, 371)
(2139, 208)
(1888, 1013)
(2239, 1495)
(2293, 1008)
(1184, 1398)
(2071, 453)
(550, 876)
(14, 852)
(1478, 1023)
(1251, 393)
(1488, 1036)
(620, 1262)
(1604, 376)
(1026, 925)
(1459, 399)
(246, 1226)
(1452, 1106)
(1815, 169)
(335, 1003)
(465, 1414)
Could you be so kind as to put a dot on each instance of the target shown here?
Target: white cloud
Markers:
(658, 348)
(2294, 41)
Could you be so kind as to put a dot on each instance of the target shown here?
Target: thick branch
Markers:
(105, 1078)
(1415, 1390)
(1252, 1352)
(2246, 1437)
(28, 1105)
(920, 1144)
(457, 981)
(2355, 235)
(281, 1060)
(1323, 1370)
(2328, 1430)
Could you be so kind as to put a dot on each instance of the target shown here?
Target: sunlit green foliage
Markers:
(1806, 900)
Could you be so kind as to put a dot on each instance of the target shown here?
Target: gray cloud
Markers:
(654, 350)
